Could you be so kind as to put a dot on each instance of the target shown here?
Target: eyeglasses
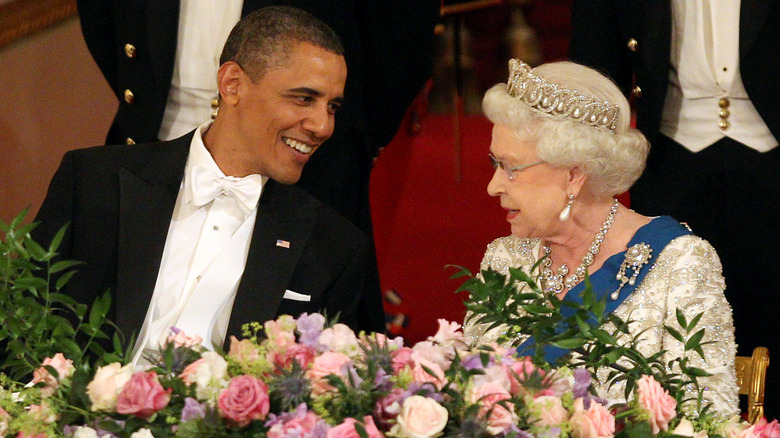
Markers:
(509, 171)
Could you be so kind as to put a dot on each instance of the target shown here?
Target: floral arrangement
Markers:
(305, 378)
(309, 377)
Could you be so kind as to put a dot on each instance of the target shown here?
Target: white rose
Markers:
(107, 384)
(142, 433)
(421, 417)
(339, 338)
(85, 432)
(211, 377)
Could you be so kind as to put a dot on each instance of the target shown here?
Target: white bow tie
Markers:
(206, 185)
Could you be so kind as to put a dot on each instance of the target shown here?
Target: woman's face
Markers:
(535, 196)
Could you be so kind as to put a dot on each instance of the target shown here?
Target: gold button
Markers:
(130, 141)
(637, 92)
(215, 103)
(724, 102)
(724, 114)
(130, 50)
(633, 45)
(129, 96)
(724, 125)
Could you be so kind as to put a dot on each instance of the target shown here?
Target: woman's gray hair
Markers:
(612, 161)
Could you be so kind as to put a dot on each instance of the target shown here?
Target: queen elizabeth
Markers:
(563, 149)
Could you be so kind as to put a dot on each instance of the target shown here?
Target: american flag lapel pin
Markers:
(283, 243)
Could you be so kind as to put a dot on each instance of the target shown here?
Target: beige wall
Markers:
(52, 99)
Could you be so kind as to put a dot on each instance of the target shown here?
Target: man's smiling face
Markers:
(289, 112)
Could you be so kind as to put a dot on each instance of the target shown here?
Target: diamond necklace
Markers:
(556, 282)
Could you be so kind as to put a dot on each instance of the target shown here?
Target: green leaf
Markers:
(57, 240)
(681, 318)
(570, 344)
(694, 340)
(675, 334)
(63, 265)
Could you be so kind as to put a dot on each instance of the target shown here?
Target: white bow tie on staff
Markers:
(206, 185)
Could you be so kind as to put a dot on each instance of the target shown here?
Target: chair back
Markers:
(751, 378)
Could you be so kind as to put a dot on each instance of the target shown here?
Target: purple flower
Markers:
(310, 327)
(473, 362)
(552, 432)
(192, 410)
(382, 381)
(581, 382)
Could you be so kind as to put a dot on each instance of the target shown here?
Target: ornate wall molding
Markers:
(19, 18)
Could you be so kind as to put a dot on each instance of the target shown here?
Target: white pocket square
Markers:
(295, 296)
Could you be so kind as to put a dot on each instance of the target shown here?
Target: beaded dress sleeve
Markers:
(686, 276)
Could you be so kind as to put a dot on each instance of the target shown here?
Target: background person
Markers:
(704, 74)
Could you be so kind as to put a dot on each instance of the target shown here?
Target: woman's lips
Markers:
(511, 214)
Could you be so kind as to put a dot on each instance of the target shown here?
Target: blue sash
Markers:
(658, 233)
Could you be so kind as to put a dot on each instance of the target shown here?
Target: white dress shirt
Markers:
(204, 26)
(203, 260)
(706, 99)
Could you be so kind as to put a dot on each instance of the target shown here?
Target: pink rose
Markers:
(106, 385)
(596, 422)
(489, 396)
(347, 429)
(64, 368)
(143, 395)
(329, 362)
(762, 429)
(518, 371)
(657, 402)
(300, 353)
(548, 411)
(243, 351)
(402, 358)
(180, 339)
(421, 417)
(421, 373)
(244, 400)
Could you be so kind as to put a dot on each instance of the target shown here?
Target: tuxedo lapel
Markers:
(146, 201)
(284, 224)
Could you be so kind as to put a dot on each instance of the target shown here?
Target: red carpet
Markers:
(424, 218)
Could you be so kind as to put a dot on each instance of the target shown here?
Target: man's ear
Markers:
(229, 77)
(577, 179)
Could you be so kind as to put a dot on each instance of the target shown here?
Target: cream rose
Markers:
(142, 433)
(548, 411)
(85, 432)
(421, 417)
(209, 373)
(107, 384)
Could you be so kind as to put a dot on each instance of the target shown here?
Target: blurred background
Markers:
(428, 189)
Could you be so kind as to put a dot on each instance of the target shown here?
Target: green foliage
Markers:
(37, 320)
(597, 339)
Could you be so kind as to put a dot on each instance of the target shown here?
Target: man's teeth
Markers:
(298, 146)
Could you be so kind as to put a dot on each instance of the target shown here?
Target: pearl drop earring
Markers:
(566, 212)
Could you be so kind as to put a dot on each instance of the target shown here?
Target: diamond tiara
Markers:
(548, 98)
